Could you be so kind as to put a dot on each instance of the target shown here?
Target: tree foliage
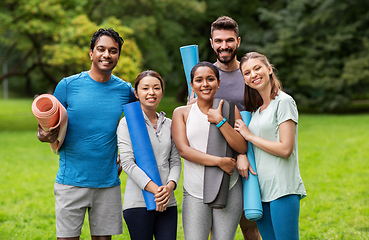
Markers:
(321, 50)
(51, 39)
(320, 47)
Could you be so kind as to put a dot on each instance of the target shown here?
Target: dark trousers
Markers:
(143, 224)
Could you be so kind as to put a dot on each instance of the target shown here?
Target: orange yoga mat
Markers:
(50, 113)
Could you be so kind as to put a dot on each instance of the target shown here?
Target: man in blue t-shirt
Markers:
(88, 177)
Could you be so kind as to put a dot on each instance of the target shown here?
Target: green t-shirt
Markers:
(277, 176)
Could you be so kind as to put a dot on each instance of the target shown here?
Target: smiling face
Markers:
(256, 74)
(205, 83)
(225, 44)
(105, 55)
(149, 92)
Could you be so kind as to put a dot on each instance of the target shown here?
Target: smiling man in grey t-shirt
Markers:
(225, 41)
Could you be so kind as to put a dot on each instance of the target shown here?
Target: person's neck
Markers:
(99, 76)
(229, 67)
(204, 106)
(151, 114)
(265, 95)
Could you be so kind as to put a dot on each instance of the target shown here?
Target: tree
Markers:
(52, 39)
(321, 50)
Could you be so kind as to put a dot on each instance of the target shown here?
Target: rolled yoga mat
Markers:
(142, 148)
(50, 114)
(190, 57)
(251, 191)
(216, 181)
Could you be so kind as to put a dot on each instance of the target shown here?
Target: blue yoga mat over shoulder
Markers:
(142, 148)
(251, 191)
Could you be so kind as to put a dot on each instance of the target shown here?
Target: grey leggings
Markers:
(198, 218)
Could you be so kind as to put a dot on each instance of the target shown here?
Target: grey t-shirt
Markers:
(232, 87)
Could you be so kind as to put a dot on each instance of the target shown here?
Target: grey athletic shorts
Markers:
(104, 207)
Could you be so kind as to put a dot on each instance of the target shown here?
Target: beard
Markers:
(225, 59)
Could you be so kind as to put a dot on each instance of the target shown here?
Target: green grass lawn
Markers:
(334, 166)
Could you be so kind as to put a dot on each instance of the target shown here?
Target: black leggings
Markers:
(143, 224)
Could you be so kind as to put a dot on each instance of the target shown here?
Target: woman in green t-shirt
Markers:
(273, 133)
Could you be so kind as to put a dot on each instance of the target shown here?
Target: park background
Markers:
(319, 47)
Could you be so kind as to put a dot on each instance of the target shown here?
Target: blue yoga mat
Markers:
(251, 191)
(190, 57)
(142, 149)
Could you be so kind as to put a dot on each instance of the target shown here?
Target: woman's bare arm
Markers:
(180, 139)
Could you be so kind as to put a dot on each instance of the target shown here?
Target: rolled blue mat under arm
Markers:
(251, 191)
(142, 148)
(190, 57)
(216, 181)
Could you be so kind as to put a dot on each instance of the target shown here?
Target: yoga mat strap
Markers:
(216, 181)
(142, 148)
